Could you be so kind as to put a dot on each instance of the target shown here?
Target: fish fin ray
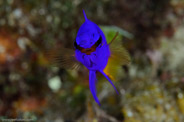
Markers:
(119, 53)
(114, 38)
(62, 57)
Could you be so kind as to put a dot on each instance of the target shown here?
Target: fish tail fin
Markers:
(85, 15)
(109, 81)
(92, 80)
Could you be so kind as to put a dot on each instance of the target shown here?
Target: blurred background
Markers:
(151, 87)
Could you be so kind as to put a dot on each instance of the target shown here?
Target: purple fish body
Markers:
(92, 50)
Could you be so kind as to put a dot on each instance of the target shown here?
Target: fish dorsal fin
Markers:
(86, 19)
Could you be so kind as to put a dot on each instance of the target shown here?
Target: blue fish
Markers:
(93, 51)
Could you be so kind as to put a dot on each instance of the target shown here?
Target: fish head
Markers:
(87, 35)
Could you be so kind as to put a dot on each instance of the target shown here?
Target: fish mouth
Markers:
(88, 51)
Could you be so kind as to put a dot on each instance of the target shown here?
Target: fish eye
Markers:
(76, 45)
(99, 41)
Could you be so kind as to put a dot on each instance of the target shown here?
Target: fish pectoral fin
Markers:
(117, 59)
(62, 57)
(118, 52)
(120, 55)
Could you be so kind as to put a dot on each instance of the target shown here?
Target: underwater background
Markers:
(151, 87)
